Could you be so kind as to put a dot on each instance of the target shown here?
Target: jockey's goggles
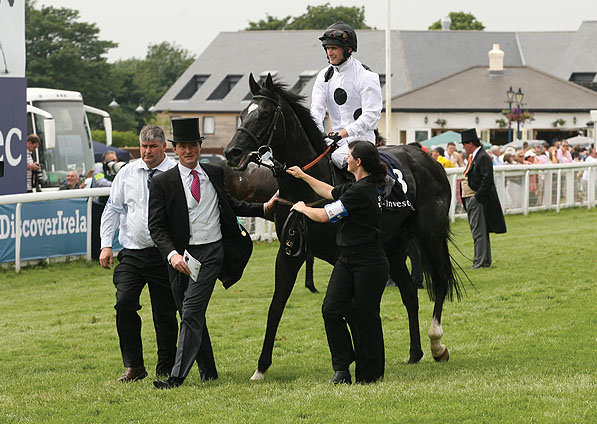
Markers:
(335, 33)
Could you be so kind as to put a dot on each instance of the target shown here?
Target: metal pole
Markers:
(389, 132)
(18, 234)
(510, 123)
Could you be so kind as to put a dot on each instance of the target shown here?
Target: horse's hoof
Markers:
(258, 375)
(443, 357)
(415, 357)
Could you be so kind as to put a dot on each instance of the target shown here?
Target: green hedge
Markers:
(119, 138)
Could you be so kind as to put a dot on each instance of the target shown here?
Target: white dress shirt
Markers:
(362, 91)
(204, 216)
(128, 206)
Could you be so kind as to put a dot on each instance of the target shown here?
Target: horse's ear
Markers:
(253, 85)
(269, 82)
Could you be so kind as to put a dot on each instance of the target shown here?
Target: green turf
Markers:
(522, 344)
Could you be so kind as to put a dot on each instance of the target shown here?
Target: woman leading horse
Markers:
(361, 270)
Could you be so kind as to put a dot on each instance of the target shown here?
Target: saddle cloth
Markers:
(394, 196)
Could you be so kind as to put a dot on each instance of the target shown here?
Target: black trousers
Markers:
(353, 297)
(192, 298)
(137, 268)
(96, 220)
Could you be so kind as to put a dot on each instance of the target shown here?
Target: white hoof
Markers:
(258, 376)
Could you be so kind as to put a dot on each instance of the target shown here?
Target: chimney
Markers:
(446, 23)
(496, 61)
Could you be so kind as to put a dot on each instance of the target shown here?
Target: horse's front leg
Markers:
(286, 271)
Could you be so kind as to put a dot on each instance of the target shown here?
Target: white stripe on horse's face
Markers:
(252, 108)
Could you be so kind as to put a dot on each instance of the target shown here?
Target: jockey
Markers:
(349, 91)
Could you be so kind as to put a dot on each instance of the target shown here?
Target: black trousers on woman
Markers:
(353, 297)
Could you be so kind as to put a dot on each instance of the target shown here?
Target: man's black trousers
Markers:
(137, 268)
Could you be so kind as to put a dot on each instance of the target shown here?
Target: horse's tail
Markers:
(440, 268)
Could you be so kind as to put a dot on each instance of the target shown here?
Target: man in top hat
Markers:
(191, 213)
(480, 198)
(347, 90)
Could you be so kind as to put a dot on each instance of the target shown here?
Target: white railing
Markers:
(528, 188)
(521, 189)
(19, 199)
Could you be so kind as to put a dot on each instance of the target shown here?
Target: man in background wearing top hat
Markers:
(190, 210)
(480, 198)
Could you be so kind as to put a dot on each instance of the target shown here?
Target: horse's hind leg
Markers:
(437, 263)
(309, 282)
(396, 253)
(286, 271)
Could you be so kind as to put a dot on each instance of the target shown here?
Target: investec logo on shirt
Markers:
(60, 224)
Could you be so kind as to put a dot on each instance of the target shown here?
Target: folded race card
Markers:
(193, 264)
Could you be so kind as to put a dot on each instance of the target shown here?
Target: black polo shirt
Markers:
(361, 201)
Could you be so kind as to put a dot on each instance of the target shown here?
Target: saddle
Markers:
(394, 196)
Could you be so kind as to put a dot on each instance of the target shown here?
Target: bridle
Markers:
(263, 155)
(270, 128)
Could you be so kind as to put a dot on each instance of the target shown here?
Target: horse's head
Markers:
(260, 121)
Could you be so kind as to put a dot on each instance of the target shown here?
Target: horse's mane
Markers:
(295, 101)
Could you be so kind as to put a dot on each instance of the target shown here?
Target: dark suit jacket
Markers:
(169, 220)
(480, 179)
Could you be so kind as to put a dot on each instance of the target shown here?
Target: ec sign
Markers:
(13, 95)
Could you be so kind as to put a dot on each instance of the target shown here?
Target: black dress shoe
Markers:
(170, 383)
(133, 374)
(341, 377)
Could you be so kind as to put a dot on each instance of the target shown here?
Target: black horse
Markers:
(276, 121)
(257, 184)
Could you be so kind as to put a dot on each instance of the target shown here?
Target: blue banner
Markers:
(48, 229)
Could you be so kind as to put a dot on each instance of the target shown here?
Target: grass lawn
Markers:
(522, 344)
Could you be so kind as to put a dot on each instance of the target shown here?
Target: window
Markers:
(224, 87)
(191, 87)
(421, 135)
(209, 125)
(303, 80)
(586, 79)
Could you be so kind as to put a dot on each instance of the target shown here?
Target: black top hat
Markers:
(186, 130)
(468, 136)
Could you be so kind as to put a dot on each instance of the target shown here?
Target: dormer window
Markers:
(303, 80)
(224, 87)
(191, 87)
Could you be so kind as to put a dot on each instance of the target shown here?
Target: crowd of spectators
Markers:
(542, 154)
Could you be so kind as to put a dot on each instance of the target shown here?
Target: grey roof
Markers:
(418, 59)
(486, 92)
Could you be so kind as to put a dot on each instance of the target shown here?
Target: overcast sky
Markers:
(193, 24)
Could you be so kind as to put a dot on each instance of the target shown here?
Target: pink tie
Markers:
(196, 186)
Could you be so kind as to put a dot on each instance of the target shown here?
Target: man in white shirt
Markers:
(139, 260)
(349, 91)
(192, 214)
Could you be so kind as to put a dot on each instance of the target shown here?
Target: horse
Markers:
(257, 184)
(276, 126)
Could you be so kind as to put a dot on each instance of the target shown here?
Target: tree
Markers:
(143, 82)
(64, 53)
(460, 21)
(316, 17)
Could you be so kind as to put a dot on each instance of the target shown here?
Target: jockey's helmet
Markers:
(340, 34)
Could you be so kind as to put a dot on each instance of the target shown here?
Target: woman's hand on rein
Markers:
(296, 172)
(299, 207)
